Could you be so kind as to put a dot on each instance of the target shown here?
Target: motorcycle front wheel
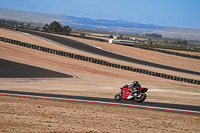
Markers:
(118, 97)
(140, 97)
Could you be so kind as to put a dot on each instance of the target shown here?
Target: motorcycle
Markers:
(130, 94)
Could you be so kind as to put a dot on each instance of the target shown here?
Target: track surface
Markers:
(91, 49)
(10, 69)
(145, 105)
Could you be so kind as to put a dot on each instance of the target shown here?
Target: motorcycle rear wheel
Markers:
(141, 97)
(118, 97)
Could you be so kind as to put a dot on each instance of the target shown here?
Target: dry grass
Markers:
(30, 115)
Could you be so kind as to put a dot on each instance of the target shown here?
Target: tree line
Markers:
(153, 35)
(18, 24)
(183, 42)
(56, 27)
(10, 22)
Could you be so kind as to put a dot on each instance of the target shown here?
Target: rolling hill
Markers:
(101, 24)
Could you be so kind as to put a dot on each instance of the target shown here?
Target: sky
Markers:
(175, 13)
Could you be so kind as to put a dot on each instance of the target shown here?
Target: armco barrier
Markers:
(98, 61)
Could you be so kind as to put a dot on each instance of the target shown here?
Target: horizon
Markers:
(179, 13)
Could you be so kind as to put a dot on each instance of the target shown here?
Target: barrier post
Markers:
(89, 59)
(130, 69)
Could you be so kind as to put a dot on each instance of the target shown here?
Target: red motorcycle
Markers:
(130, 94)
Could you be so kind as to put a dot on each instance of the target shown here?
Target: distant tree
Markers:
(150, 42)
(66, 29)
(56, 27)
(127, 38)
(21, 23)
(46, 28)
(10, 22)
(177, 42)
(37, 28)
(28, 24)
(153, 35)
(82, 34)
(2, 21)
(184, 42)
(165, 41)
(111, 36)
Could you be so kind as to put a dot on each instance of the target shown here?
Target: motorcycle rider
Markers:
(132, 91)
(136, 86)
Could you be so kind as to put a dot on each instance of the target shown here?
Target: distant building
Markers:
(115, 37)
(133, 38)
(121, 41)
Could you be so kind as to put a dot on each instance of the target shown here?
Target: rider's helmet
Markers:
(135, 82)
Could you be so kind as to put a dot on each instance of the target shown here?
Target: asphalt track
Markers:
(125, 103)
(10, 69)
(84, 47)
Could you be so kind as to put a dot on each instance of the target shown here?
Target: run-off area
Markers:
(10, 69)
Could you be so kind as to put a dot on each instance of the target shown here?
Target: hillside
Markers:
(101, 24)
